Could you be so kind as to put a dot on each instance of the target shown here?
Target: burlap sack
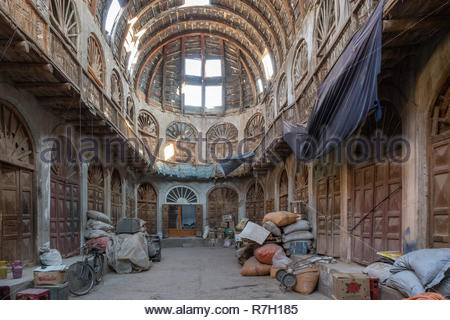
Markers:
(253, 267)
(281, 218)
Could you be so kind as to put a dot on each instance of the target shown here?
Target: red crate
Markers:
(375, 289)
(33, 294)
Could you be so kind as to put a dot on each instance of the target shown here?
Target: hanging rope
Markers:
(8, 44)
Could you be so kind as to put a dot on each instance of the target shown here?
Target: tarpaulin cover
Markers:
(185, 171)
(345, 97)
(226, 166)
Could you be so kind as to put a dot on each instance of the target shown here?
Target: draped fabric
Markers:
(345, 97)
(226, 166)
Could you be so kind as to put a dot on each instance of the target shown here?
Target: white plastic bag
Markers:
(51, 258)
(280, 260)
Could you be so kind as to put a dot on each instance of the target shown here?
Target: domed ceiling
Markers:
(153, 38)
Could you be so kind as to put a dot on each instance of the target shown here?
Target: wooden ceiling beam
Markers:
(23, 69)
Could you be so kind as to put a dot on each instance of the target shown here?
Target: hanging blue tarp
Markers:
(185, 171)
(345, 97)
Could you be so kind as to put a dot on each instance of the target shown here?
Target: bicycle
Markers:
(83, 275)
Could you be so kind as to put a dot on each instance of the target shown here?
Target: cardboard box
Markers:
(351, 286)
(50, 276)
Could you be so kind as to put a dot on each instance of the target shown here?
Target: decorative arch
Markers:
(300, 69)
(96, 60)
(254, 131)
(64, 15)
(148, 128)
(255, 203)
(284, 191)
(116, 89)
(222, 141)
(282, 92)
(148, 207)
(96, 188)
(131, 109)
(181, 195)
(325, 22)
(116, 197)
(16, 145)
(222, 201)
(17, 190)
(183, 137)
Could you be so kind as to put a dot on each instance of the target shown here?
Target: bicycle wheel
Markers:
(99, 262)
(81, 278)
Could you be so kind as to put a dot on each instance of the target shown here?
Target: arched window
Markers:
(182, 195)
(131, 109)
(254, 131)
(63, 12)
(282, 92)
(325, 22)
(182, 139)
(116, 89)
(96, 60)
(222, 201)
(222, 141)
(255, 203)
(148, 128)
(300, 63)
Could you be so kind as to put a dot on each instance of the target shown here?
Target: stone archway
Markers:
(148, 207)
(17, 190)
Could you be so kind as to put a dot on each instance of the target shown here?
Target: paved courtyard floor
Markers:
(192, 274)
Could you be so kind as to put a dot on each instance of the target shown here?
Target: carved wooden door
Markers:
(376, 217)
(96, 197)
(440, 192)
(284, 202)
(255, 203)
(222, 201)
(270, 206)
(328, 216)
(65, 210)
(16, 214)
(116, 197)
(148, 207)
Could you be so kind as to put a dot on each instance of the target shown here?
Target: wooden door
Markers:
(439, 235)
(222, 201)
(270, 206)
(328, 216)
(116, 197)
(199, 229)
(376, 216)
(255, 203)
(16, 214)
(284, 202)
(177, 217)
(96, 196)
(65, 210)
(148, 207)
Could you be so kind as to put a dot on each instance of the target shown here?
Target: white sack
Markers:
(99, 225)
(298, 236)
(407, 283)
(379, 270)
(273, 228)
(95, 215)
(51, 258)
(94, 234)
(300, 225)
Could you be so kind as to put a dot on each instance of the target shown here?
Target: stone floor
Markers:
(192, 274)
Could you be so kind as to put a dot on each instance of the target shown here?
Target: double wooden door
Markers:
(329, 215)
(182, 220)
(16, 214)
(377, 211)
(65, 216)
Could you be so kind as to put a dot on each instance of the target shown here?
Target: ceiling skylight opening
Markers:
(169, 152)
(260, 85)
(213, 96)
(192, 95)
(193, 3)
(268, 66)
(213, 68)
(111, 18)
(193, 67)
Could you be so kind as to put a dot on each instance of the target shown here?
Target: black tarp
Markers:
(226, 166)
(345, 97)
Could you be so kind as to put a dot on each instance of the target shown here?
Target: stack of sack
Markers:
(295, 233)
(99, 230)
(416, 272)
